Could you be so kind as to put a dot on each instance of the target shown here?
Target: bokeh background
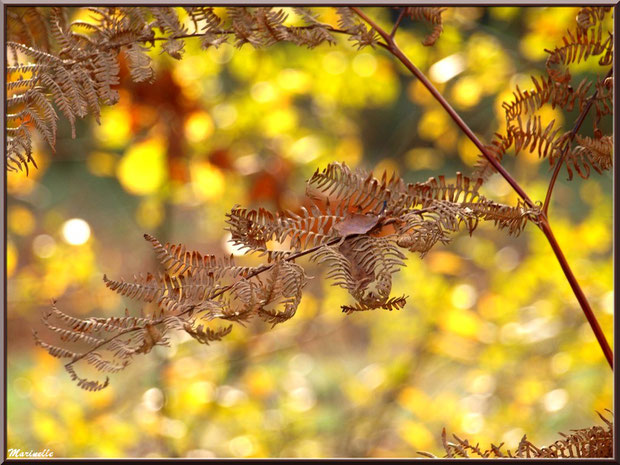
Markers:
(491, 345)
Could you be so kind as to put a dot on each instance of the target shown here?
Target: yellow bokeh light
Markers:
(44, 246)
(150, 213)
(462, 322)
(423, 158)
(142, 170)
(305, 149)
(263, 92)
(101, 163)
(280, 121)
(115, 128)
(198, 126)
(364, 64)
(468, 152)
(349, 151)
(208, 182)
(11, 258)
(21, 221)
(76, 231)
(335, 62)
(467, 92)
(225, 115)
(433, 124)
(294, 80)
(417, 435)
(446, 68)
(444, 262)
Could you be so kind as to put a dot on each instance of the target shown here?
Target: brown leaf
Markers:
(356, 223)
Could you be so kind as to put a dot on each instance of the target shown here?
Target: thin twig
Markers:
(393, 48)
(397, 23)
(571, 136)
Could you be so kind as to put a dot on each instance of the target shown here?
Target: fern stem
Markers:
(581, 297)
(572, 135)
(543, 222)
(266, 268)
(391, 46)
(397, 23)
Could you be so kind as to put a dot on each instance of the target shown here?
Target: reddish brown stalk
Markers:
(543, 223)
(581, 297)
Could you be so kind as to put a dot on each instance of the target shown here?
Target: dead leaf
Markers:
(356, 223)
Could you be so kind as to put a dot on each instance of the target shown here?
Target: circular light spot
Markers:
(198, 126)
(561, 363)
(75, 231)
(608, 303)
(335, 63)
(464, 296)
(472, 423)
(225, 115)
(364, 64)
(555, 400)
(153, 399)
(44, 246)
(222, 54)
(241, 446)
(302, 399)
(263, 92)
(507, 259)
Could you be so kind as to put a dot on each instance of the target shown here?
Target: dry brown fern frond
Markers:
(591, 15)
(579, 46)
(28, 25)
(431, 15)
(75, 64)
(359, 239)
(359, 33)
(593, 442)
(597, 153)
(589, 39)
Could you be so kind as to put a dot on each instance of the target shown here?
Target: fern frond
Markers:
(589, 16)
(356, 188)
(595, 153)
(206, 335)
(177, 260)
(139, 63)
(357, 30)
(101, 364)
(394, 303)
(86, 384)
(577, 47)
(55, 351)
(431, 15)
(284, 287)
(28, 26)
(168, 20)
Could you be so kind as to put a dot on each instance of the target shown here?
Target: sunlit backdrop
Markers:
(492, 344)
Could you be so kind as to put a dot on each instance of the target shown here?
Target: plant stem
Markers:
(397, 23)
(543, 222)
(391, 46)
(583, 301)
(571, 136)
